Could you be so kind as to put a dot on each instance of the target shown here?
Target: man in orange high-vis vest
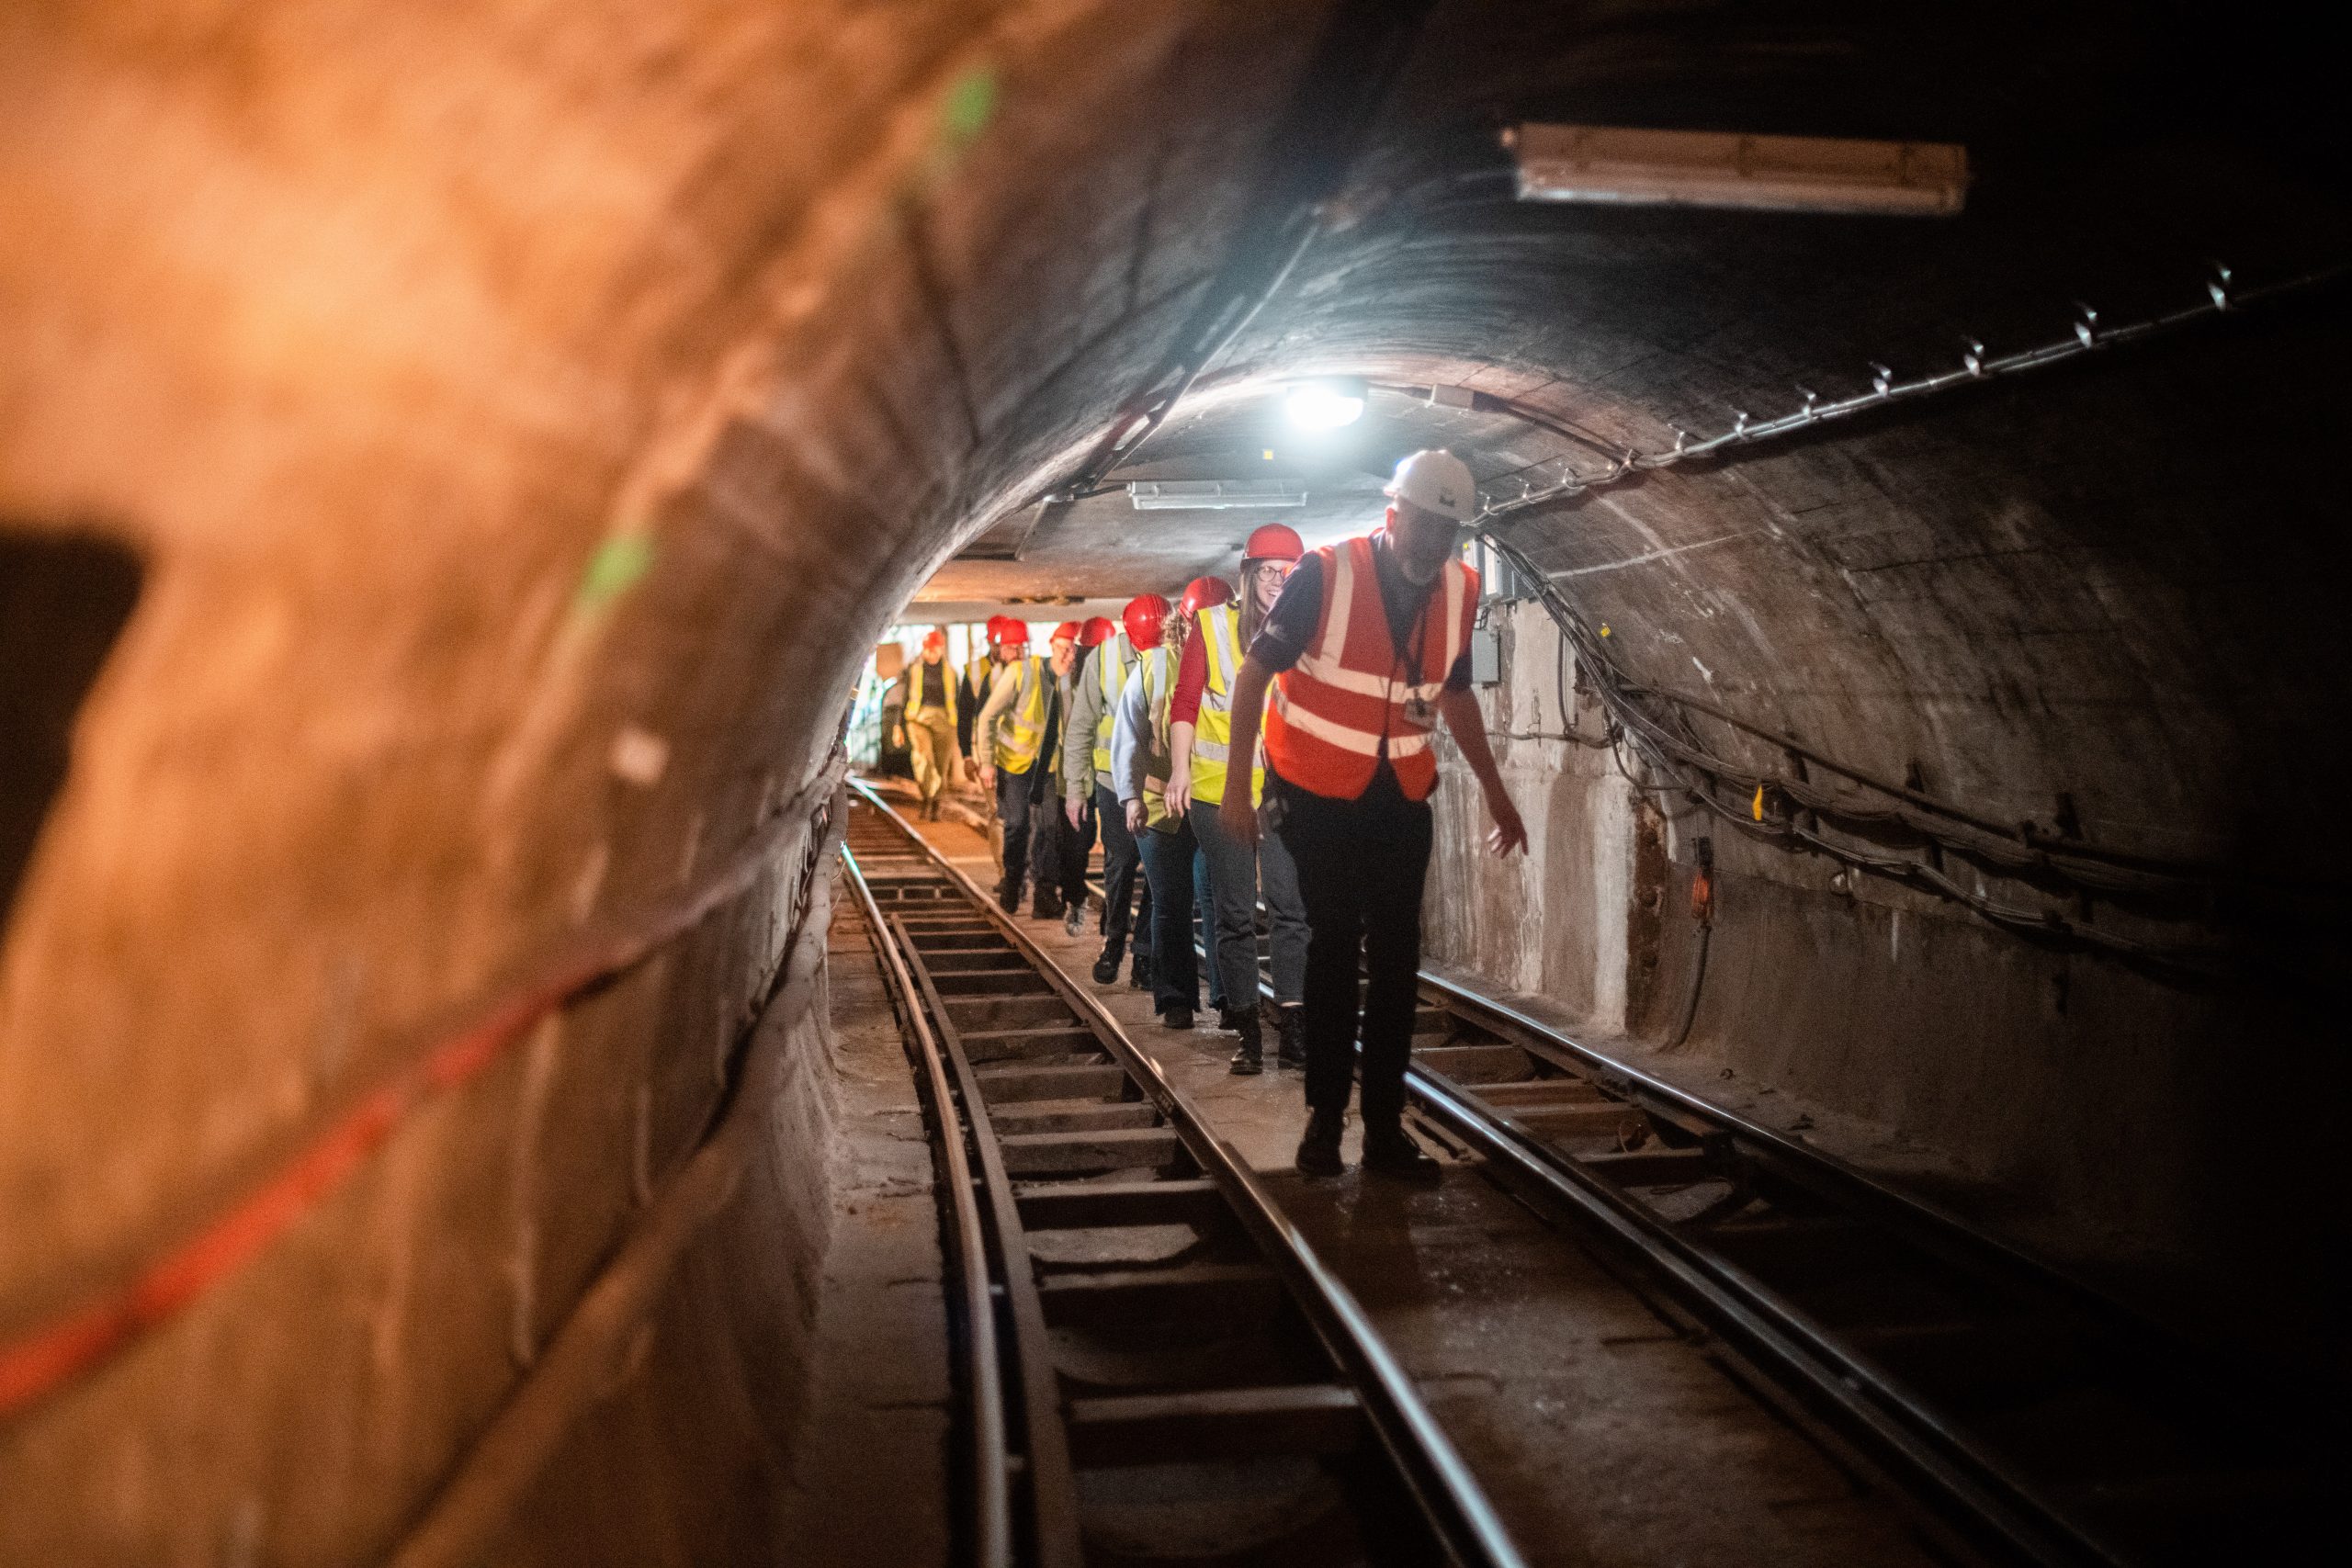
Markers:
(1368, 646)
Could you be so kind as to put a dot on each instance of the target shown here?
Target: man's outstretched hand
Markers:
(1509, 832)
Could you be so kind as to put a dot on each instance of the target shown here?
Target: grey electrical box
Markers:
(1486, 656)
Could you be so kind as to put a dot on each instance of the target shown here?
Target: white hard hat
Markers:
(1437, 482)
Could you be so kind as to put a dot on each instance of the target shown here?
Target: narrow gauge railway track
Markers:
(2040, 1419)
(1153, 1362)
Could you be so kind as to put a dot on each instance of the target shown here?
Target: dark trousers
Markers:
(1016, 813)
(1078, 848)
(1205, 909)
(1121, 860)
(1361, 865)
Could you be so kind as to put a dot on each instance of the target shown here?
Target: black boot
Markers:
(1391, 1151)
(1139, 973)
(1106, 968)
(1250, 1059)
(1048, 904)
(1229, 1019)
(1008, 894)
(1291, 1050)
(1318, 1151)
(1177, 1018)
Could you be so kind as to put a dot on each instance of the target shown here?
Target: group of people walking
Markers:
(1266, 746)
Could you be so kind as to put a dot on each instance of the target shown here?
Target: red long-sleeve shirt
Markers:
(1192, 680)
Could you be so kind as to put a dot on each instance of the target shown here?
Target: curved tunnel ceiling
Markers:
(491, 398)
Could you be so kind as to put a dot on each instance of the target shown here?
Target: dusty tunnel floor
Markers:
(1601, 1431)
(868, 1479)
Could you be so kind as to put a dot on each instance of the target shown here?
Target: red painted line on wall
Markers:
(75, 1341)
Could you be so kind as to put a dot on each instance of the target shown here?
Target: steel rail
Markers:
(1918, 1218)
(1967, 1485)
(1970, 1489)
(1052, 1489)
(983, 1374)
(1448, 1496)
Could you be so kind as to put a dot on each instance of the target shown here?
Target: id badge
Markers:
(1419, 710)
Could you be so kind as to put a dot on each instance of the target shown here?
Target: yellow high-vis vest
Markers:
(1021, 727)
(1113, 659)
(947, 684)
(1157, 670)
(1213, 729)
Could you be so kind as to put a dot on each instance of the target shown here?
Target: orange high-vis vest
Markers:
(1352, 694)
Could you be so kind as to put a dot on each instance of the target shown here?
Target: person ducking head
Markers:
(1367, 648)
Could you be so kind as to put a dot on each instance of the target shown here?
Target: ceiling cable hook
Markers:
(1972, 358)
(2217, 288)
(2086, 329)
(1681, 441)
(1739, 423)
(1811, 398)
(1881, 379)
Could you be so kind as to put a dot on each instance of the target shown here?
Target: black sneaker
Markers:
(1176, 1018)
(1291, 1051)
(1007, 897)
(1074, 918)
(1047, 906)
(1106, 968)
(1140, 974)
(1392, 1152)
(1318, 1151)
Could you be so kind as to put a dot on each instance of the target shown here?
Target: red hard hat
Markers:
(1203, 592)
(1146, 616)
(934, 641)
(1006, 632)
(1066, 632)
(1276, 541)
(1097, 631)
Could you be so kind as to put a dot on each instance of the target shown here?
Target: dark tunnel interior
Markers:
(457, 463)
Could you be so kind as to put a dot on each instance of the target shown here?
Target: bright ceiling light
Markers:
(1702, 168)
(1326, 403)
(1212, 495)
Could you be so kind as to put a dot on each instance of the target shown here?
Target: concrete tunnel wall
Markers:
(482, 391)
(525, 421)
(2053, 589)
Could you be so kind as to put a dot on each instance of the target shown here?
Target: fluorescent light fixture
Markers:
(1212, 495)
(1705, 168)
(1327, 402)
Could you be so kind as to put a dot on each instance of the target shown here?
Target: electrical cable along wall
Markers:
(1868, 814)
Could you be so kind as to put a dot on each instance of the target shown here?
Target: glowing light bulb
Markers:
(1326, 404)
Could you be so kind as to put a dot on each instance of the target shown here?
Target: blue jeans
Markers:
(1168, 868)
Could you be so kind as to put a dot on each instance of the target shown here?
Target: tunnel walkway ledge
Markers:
(865, 1476)
(1580, 1407)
